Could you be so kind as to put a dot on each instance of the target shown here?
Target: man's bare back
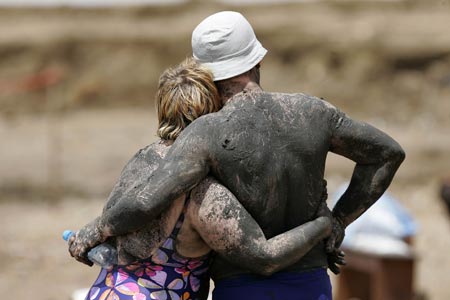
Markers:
(269, 149)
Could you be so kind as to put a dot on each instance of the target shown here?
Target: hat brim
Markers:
(234, 66)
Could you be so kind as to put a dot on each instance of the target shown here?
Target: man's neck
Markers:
(229, 88)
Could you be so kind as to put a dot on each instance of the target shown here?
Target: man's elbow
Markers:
(398, 154)
(394, 154)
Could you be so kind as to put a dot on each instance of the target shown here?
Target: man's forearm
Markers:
(368, 184)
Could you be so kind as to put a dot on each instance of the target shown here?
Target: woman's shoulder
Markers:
(208, 192)
(150, 154)
(208, 185)
(144, 162)
(156, 149)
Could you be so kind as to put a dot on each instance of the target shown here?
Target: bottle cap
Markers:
(67, 234)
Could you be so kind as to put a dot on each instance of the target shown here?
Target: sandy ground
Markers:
(387, 65)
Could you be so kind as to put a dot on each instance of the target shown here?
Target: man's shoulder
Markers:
(298, 102)
(300, 98)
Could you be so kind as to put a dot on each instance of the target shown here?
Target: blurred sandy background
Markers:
(76, 101)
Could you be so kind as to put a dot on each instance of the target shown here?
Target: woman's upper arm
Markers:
(221, 220)
(227, 228)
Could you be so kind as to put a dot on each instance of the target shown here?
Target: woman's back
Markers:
(158, 270)
(143, 243)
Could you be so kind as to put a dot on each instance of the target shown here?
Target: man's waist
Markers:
(280, 277)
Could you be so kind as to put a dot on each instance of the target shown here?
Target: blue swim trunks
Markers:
(308, 285)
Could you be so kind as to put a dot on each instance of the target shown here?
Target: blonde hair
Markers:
(185, 92)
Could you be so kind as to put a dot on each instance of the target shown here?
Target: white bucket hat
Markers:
(226, 44)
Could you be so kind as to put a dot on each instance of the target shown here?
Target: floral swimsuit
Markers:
(165, 275)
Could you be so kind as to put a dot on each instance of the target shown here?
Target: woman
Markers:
(171, 254)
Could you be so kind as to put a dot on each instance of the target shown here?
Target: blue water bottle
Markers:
(103, 255)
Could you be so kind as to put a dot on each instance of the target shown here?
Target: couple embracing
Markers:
(234, 190)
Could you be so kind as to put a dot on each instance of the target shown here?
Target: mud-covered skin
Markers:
(228, 228)
(269, 150)
(138, 244)
(214, 220)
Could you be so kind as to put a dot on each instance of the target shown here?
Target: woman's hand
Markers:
(335, 256)
(335, 260)
(337, 235)
(84, 240)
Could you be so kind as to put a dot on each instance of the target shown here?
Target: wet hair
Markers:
(185, 92)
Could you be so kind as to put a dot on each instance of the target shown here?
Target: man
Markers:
(268, 149)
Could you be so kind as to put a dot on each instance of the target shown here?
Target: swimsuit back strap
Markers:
(180, 220)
